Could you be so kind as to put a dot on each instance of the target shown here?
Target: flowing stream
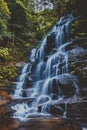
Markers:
(40, 80)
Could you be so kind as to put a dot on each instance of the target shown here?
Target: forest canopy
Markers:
(19, 21)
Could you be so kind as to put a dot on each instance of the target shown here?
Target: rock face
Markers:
(77, 56)
(78, 63)
(77, 109)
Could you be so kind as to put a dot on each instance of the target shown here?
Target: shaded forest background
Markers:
(21, 29)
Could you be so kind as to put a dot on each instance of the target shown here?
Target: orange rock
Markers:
(4, 95)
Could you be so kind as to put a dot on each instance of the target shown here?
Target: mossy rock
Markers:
(78, 28)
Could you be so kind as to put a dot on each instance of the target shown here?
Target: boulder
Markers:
(67, 85)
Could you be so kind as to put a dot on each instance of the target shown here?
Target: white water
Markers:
(84, 128)
(21, 81)
(46, 74)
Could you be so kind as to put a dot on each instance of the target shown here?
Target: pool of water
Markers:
(39, 123)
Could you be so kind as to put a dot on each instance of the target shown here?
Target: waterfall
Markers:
(21, 81)
(47, 70)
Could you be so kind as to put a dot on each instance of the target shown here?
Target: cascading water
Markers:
(47, 68)
(21, 81)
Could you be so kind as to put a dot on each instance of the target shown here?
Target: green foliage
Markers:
(4, 10)
(4, 53)
(4, 16)
(8, 75)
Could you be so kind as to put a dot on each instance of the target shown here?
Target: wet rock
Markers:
(82, 74)
(83, 92)
(28, 82)
(77, 52)
(77, 56)
(57, 109)
(32, 66)
(49, 123)
(77, 110)
(18, 101)
(67, 85)
(50, 42)
(80, 42)
(78, 65)
(45, 59)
